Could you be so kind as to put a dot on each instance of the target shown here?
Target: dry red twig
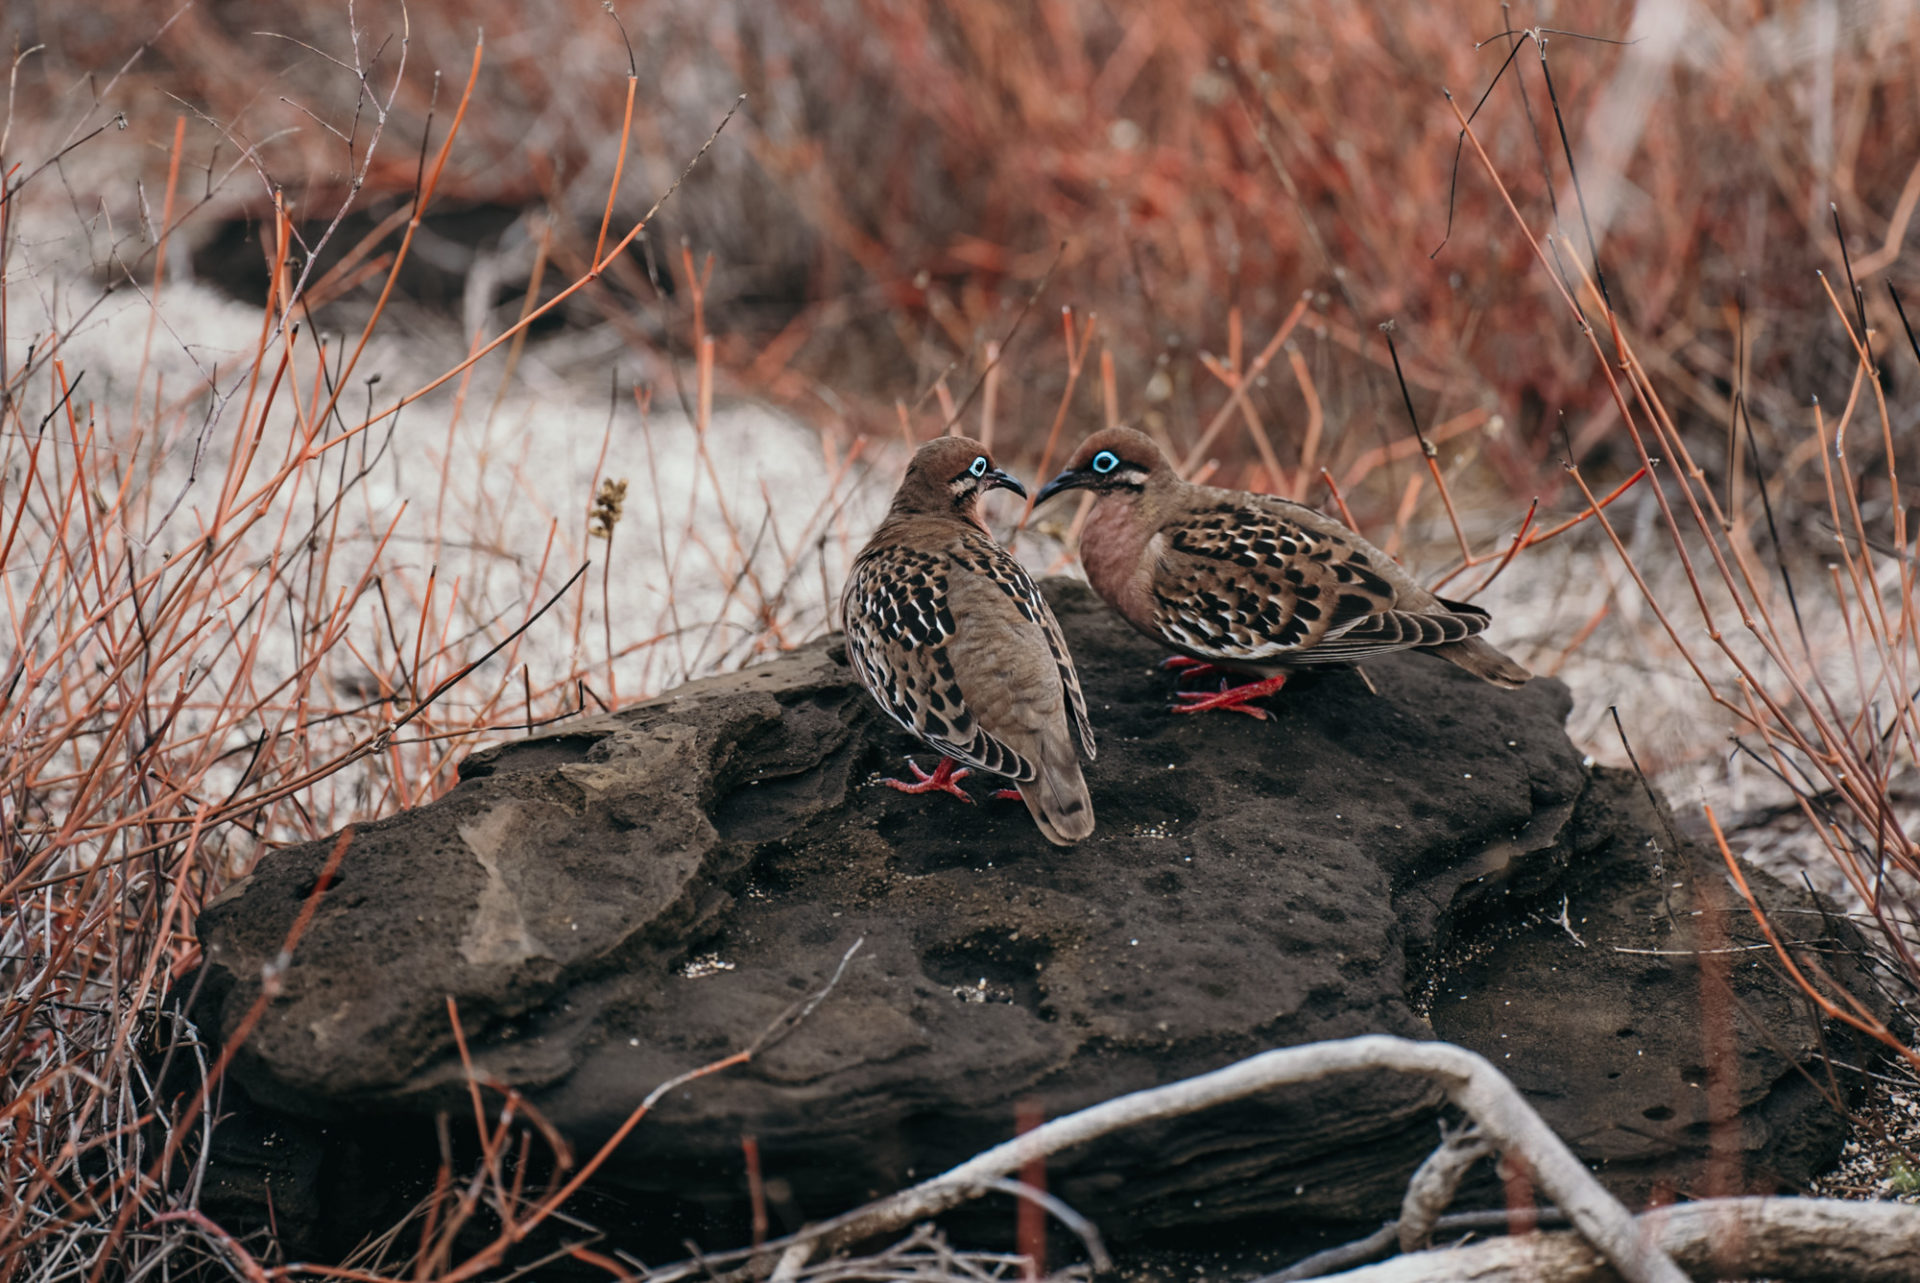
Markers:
(1773, 688)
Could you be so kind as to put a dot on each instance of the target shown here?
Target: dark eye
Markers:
(1106, 461)
(979, 466)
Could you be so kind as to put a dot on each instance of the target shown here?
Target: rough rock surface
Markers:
(642, 893)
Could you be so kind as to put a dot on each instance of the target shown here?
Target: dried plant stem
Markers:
(1815, 745)
(1237, 390)
(1076, 362)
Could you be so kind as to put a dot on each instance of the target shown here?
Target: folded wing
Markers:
(1274, 582)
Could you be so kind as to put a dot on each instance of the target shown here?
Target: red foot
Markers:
(1007, 795)
(945, 779)
(1235, 697)
(1189, 667)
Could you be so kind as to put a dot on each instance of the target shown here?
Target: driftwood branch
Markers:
(1474, 1085)
(1792, 1240)
(1436, 1181)
(1469, 1081)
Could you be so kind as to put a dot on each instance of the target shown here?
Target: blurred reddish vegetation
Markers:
(902, 174)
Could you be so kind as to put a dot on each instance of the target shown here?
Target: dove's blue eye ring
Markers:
(979, 466)
(1106, 461)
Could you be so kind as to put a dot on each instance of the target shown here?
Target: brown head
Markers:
(947, 477)
(1111, 461)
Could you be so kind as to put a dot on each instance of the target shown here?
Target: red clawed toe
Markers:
(946, 778)
(1007, 795)
(1233, 697)
(1187, 666)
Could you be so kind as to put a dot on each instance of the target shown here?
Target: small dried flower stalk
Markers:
(607, 508)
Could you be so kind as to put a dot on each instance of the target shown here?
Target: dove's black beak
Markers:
(1070, 480)
(998, 480)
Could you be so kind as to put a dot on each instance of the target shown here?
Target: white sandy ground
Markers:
(480, 501)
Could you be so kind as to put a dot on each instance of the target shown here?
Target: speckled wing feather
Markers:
(900, 630)
(988, 560)
(1273, 582)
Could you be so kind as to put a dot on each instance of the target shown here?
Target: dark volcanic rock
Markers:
(642, 893)
(1608, 1024)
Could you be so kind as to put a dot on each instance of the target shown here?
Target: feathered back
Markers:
(955, 643)
(1252, 580)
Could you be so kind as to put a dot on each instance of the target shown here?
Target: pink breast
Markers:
(1110, 546)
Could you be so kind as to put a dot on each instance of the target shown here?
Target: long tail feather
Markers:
(1478, 657)
(1059, 802)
